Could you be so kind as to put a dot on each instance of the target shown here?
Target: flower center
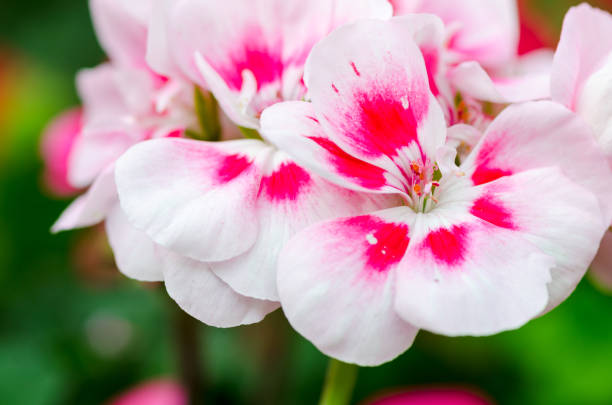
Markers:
(423, 183)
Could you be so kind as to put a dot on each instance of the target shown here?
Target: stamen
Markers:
(423, 183)
(417, 189)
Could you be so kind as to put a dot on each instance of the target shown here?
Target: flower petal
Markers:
(290, 198)
(336, 284)
(121, 28)
(251, 63)
(555, 214)
(294, 128)
(135, 253)
(542, 134)
(111, 98)
(92, 207)
(471, 79)
(158, 53)
(193, 197)
(586, 42)
(464, 276)
(204, 296)
(486, 31)
(374, 96)
(346, 11)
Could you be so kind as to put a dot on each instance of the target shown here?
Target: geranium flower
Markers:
(471, 250)
(121, 106)
(230, 206)
(125, 102)
(258, 59)
(582, 81)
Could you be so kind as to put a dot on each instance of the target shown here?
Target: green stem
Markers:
(207, 112)
(339, 383)
(250, 133)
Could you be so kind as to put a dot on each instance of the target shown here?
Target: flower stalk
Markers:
(339, 383)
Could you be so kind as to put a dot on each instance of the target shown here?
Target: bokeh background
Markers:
(74, 331)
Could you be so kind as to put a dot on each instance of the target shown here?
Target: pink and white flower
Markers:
(225, 209)
(258, 59)
(471, 250)
(582, 81)
(120, 108)
(126, 103)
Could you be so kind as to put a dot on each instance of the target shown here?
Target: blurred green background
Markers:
(74, 331)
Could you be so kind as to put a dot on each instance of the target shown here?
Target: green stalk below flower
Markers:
(339, 383)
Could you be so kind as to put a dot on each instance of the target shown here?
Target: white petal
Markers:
(204, 296)
(135, 253)
(289, 199)
(336, 283)
(194, 198)
(92, 207)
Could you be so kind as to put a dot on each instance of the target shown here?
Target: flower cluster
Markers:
(375, 168)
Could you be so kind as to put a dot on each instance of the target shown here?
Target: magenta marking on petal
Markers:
(314, 119)
(431, 58)
(448, 246)
(484, 174)
(385, 243)
(335, 88)
(254, 54)
(286, 183)
(231, 166)
(360, 172)
(177, 133)
(491, 210)
(486, 170)
(357, 72)
(385, 120)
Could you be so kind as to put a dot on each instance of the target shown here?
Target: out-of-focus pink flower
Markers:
(474, 249)
(158, 392)
(431, 397)
(56, 144)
